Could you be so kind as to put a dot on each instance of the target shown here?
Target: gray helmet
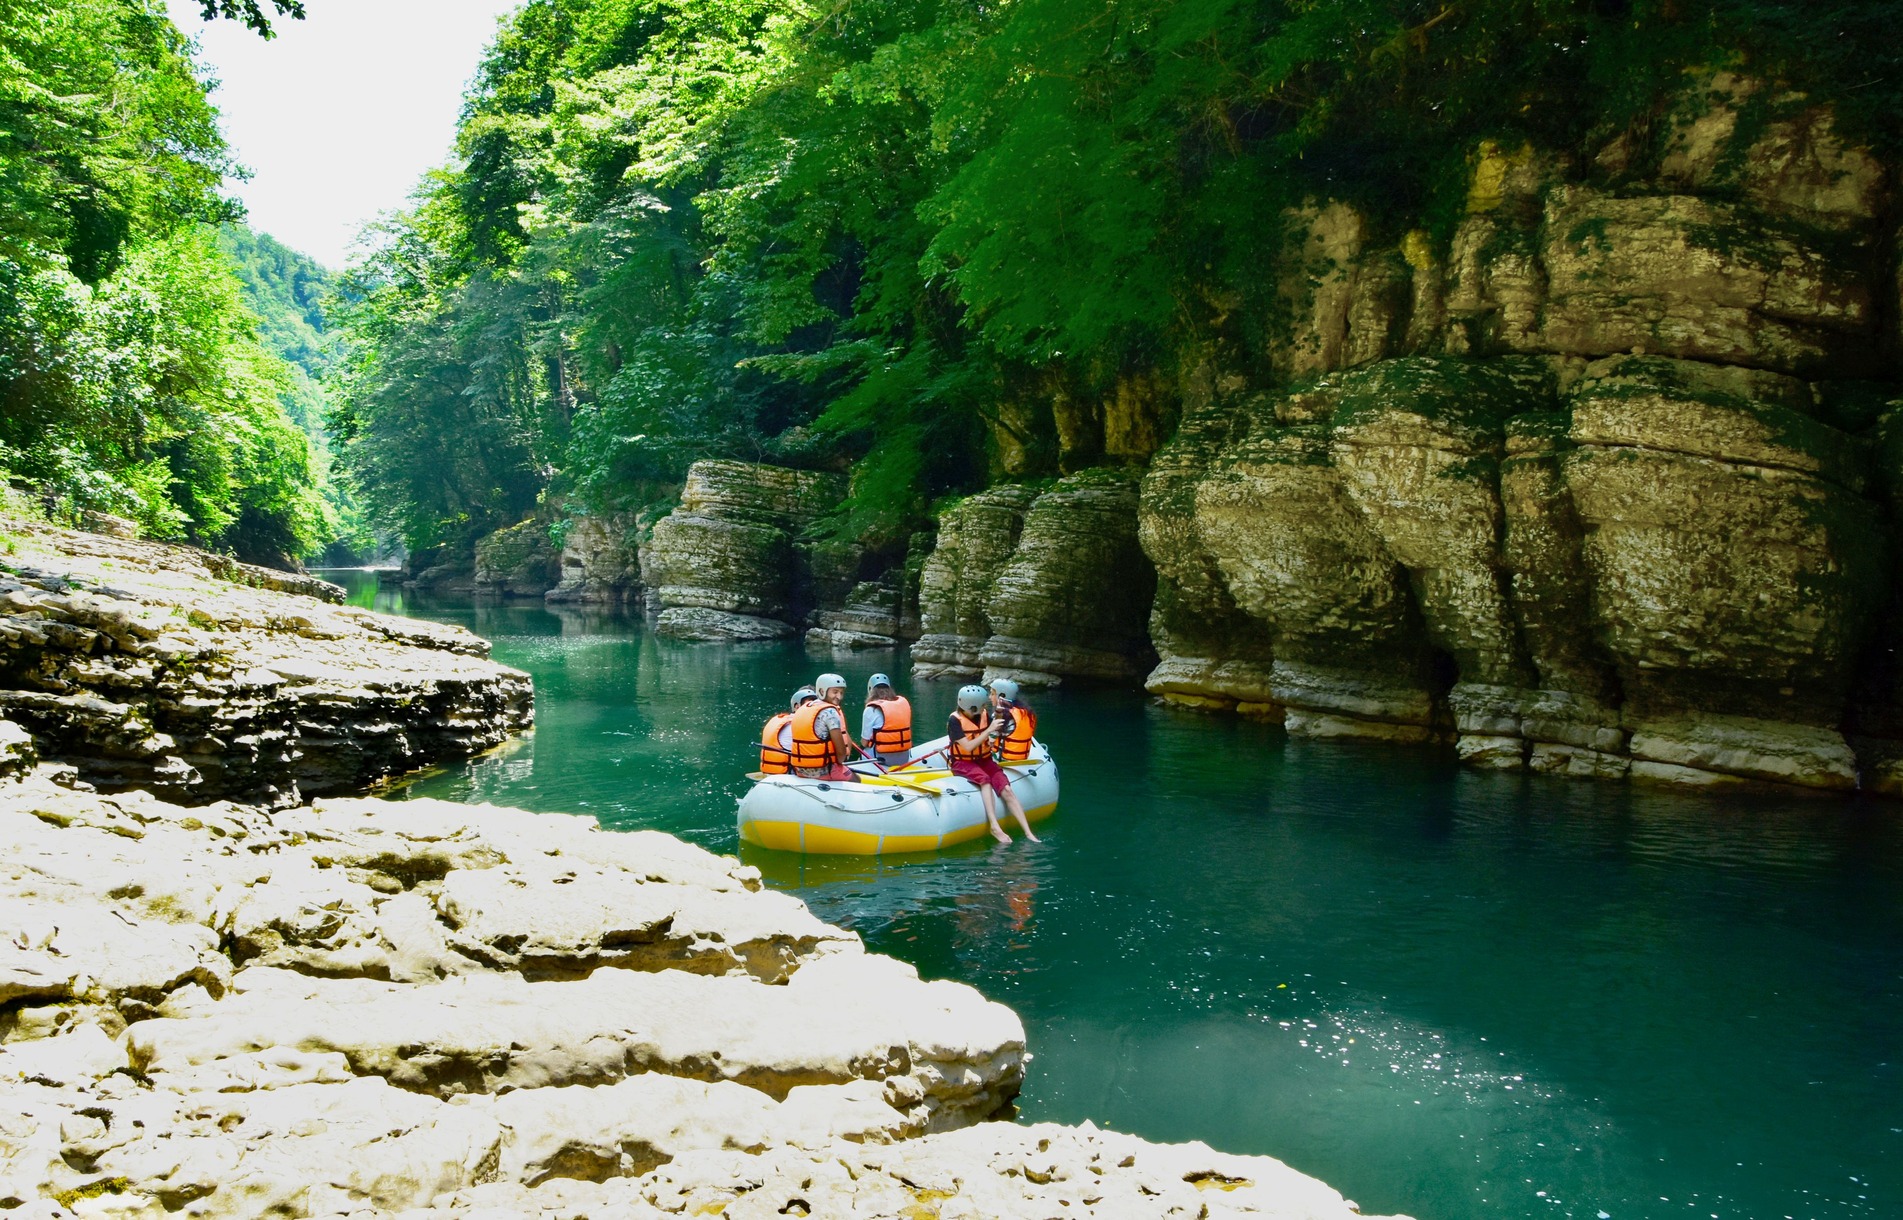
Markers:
(876, 681)
(803, 695)
(826, 682)
(972, 699)
(1006, 688)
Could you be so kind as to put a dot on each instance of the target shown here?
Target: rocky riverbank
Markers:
(369, 1007)
(372, 1007)
(143, 665)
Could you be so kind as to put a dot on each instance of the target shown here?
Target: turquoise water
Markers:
(1445, 992)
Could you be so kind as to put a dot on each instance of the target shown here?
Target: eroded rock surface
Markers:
(1038, 585)
(161, 667)
(1604, 489)
(376, 1007)
(728, 563)
(600, 563)
(520, 561)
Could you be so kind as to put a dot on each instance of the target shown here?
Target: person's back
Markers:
(886, 725)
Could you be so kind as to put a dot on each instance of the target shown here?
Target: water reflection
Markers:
(1447, 992)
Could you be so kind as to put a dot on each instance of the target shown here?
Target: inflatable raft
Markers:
(913, 808)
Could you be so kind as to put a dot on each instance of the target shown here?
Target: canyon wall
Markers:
(1599, 479)
(730, 563)
(1600, 488)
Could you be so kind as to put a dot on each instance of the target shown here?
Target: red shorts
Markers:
(983, 771)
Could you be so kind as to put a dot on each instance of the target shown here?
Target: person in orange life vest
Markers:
(820, 744)
(1020, 722)
(886, 724)
(776, 736)
(973, 732)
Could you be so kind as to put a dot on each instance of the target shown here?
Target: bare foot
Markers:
(997, 832)
(1033, 838)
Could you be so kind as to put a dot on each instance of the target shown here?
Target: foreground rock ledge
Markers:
(366, 1007)
(144, 665)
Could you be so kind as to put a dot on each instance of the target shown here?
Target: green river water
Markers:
(1445, 992)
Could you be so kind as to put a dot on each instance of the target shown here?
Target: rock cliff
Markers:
(600, 562)
(729, 563)
(1038, 585)
(378, 1007)
(142, 665)
(1597, 487)
(520, 561)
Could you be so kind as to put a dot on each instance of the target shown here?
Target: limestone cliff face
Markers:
(729, 563)
(143, 665)
(520, 561)
(1594, 489)
(1038, 585)
(600, 563)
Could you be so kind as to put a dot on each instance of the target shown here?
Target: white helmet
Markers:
(826, 682)
(803, 695)
(877, 680)
(972, 699)
(1006, 688)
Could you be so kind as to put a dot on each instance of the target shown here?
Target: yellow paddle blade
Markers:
(898, 781)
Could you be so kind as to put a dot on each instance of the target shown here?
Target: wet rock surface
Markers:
(373, 1007)
(159, 667)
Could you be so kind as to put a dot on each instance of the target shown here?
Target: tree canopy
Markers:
(846, 234)
(133, 377)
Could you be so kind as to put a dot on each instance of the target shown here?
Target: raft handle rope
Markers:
(811, 793)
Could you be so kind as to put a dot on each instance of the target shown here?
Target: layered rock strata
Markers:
(1598, 489)
(145, 665)
(600, 563)
(729, 563)
(436, 1009)
(976, 538)
(1038, 585)
(520, 561)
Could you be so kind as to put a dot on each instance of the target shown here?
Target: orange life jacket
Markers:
(1015, 746)
(810, 750)
(972, 753)
(773, 756)
(895, 735)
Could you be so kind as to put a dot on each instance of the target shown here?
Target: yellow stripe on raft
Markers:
(830, 841)
(780, 836)
(897, 845)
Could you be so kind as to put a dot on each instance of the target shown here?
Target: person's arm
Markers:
(842, 740)
(870, 722)
(956, 732)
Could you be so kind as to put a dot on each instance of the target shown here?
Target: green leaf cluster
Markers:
(133, 379)
(848, 233)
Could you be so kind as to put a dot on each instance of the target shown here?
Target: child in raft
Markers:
(973, 733)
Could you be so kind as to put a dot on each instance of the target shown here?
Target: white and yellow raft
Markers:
(906, 810)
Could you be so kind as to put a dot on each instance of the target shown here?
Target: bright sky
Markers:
(341, 113)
